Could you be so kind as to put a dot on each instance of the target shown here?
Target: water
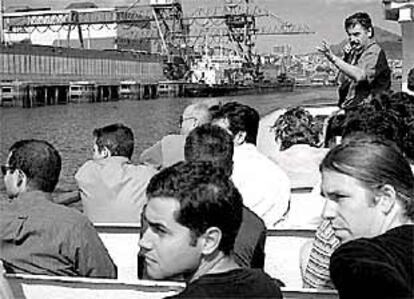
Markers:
(69, 127)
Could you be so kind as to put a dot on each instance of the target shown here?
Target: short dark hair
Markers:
(384, 124)
(210, 143)
(334, 128)
(374, 162)
(207, 198)
(117, 138)
(241, 118)
(403, 104)
(408, 142)
(39, 161)
(361, 18)
(410, 80)
(296, 126)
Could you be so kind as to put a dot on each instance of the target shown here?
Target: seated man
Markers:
(265, 187)
(214, 144)
(170, 149)
(299, 155)
(366, 121)
(111, 187)
(38, 236)
(369, 188)
(191, 220)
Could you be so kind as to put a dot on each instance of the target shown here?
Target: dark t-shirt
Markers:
(250, 241)
(239, 283)
(381, 267)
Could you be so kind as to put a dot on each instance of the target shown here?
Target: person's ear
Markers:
(106, 153)
(21, 180)
(211, 240)
(386, 198)
(240, 138)
(370, 32)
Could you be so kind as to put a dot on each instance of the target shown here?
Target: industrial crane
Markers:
(235, 24)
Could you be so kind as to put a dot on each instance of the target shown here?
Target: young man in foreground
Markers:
(191, 221)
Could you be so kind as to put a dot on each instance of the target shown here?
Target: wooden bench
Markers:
(54, 287)
(121, 240)
(282, 254)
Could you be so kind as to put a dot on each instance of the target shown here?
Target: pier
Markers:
(34, 75)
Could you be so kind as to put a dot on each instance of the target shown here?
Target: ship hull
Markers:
(204, 90)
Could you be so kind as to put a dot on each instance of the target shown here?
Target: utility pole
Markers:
(1, 23)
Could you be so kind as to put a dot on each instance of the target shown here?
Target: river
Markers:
(69, 127)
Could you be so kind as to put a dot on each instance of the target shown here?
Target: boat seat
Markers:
(57, 287)
(51, 287)
(282, 251)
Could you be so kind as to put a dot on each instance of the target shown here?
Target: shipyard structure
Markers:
(86, 53)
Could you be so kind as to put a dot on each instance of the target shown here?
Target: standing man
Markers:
(111, 187)
(170, 149)
(38, 236)
(364, 68)
(265, 187)
(191, 222)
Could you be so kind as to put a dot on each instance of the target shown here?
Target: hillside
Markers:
(389, 41)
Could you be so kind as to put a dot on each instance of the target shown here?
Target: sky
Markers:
(325, 17)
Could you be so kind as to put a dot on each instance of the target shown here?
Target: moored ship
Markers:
(220, 75)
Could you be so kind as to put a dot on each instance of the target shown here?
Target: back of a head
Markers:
(200, 111)
(117, 138)
(403, 104)
(410, 80)
(384, 124)
(210, 143)
(207, 198)
(374, 162)
(408, 142)
(241, 118)
(296, 126)
(361, 18)
(334, 129)
(40, 162)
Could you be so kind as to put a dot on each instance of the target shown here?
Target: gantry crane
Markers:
(235, 24)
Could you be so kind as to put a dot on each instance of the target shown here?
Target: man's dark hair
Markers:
(210, 143)
(410, 80)
(408, 142)
(117, 138)
(361, 18)
(39, 161)
(207, 198)
(334, 129)
(384, 124)
(241, 118)
(296, 126)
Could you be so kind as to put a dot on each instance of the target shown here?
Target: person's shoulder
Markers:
(255, 222)
(65, 216)
(262, 282)
(173, 137)
(87, 167)
(143, 170)
(373, 49)
(356, 248)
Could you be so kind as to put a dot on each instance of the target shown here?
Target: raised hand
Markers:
(325, 49)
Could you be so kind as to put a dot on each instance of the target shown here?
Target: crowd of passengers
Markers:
(205, 197)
